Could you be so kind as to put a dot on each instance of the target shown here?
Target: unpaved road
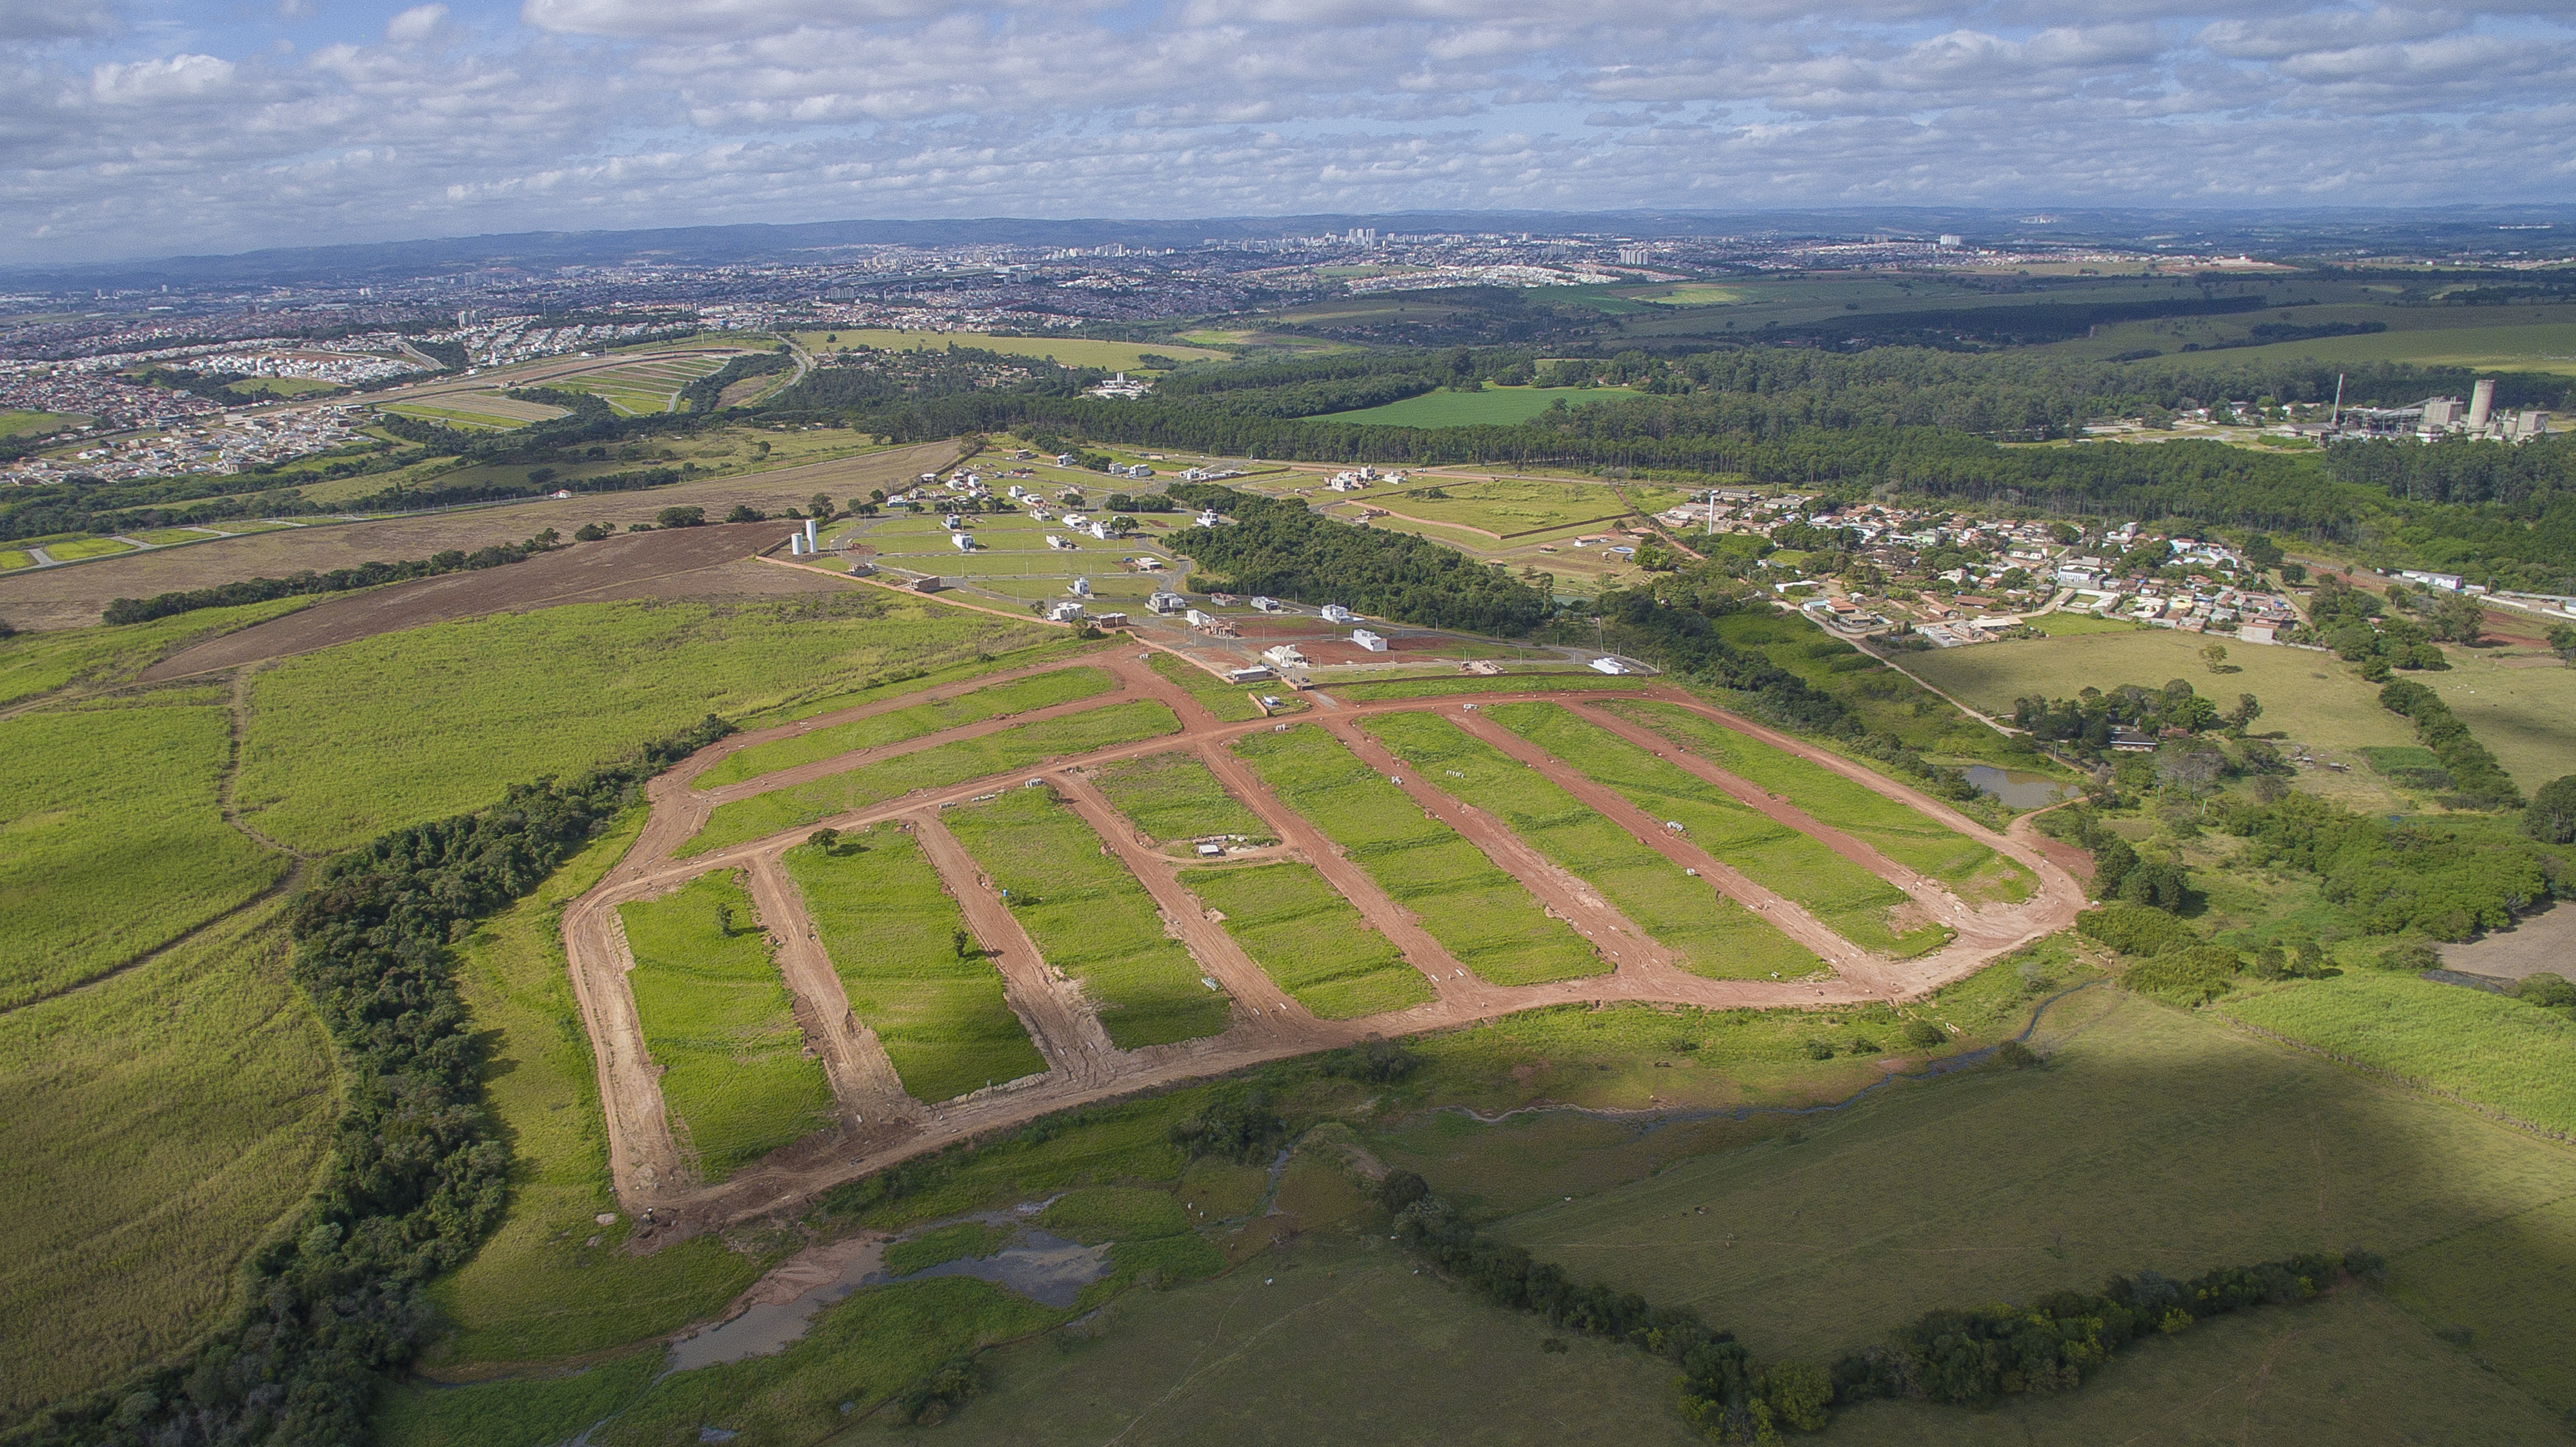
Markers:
(1268, 1024)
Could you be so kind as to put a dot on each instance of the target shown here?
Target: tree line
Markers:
(1280, 547)
(338, 580)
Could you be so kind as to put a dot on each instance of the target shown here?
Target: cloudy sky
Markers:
(135, 128)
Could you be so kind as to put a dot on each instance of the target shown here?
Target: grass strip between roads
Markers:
(1310, 939)
(1175, 796)
(996, 701)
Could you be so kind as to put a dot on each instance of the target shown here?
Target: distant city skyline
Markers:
(197, 127)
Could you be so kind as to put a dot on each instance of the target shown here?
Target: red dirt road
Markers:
(1268, 1024)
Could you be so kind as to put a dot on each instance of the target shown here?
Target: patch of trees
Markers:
(418, 1172)
(1970, 1357)
(2264, 334)
(1141, 502)
(2551, 815)
(2085, 722)
(2477, 779)
(1279, 547)
(338, 580)
(450, 355)
(2458, 468)
(1239, 1125)
(2441, 881)
(703, 394)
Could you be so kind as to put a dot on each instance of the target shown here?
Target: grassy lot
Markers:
(113, 841)
(539, 1288)
(889, 927)
(19, 423)
(1229, 702)
(1174, 796)
(169, 537)
(160, 1126)
(1714, 935)
(1479, 914)
(997, 701)
(1494, 406)
(1090, 918)
(15, 558)
(87, 548)
(937, 767)
(1509, 507)
(1536, 679)
(1070, 351)
(368, 736)
(1886, 701)
(2524, 1063)
(1955, 1192)
(735, 1077)
(2521, 705)
(2077, 625)
(1909, 838)
(1310, 939)
(1047, 648)
(1846, 898)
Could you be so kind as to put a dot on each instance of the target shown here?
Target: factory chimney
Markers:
(2481, 402)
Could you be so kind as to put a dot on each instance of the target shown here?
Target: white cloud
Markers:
(415, 25)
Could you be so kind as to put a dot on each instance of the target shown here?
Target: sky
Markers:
(191, 126)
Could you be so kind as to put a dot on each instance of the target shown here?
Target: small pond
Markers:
(2019, 789)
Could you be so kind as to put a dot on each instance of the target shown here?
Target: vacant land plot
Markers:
(1909, 838)
(1511, 507)
(2521, 705)
(1846, 898)
(1173, 797)
(931, 768)
(115, 841)
(1070, 351)
(552, 1281)
(1090, 918)
(998, 701)
(348, 742)
(912, 973)
(1310, 939)
(1228, 702)
(2525, 1060)
(1713, 935)
(1495, 406)
(1479, 914)
(160, 1125)
(735, 1076)
(19, 423)
(1943, 1195)
(1538, 678)
(33, 664)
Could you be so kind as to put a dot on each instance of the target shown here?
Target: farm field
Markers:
(1310, 939)
(161, 1125)
(538, 1288)
(997, 701)
(1715, 936)
(116, 841)
(35, 664)
(1068, 351)
(1173, 797)
(2521, 705)
(1089, 917)
(735, 1080)
(889, 928)
(1494, 406)
(1830, 799)
(1512, 507)
(354, 740)
(941, 764)
(1843, 896)
(2524, 1066)
(1479, 914)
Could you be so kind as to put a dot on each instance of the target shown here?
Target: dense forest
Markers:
(1277, 546)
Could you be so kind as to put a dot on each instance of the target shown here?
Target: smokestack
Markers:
(2481, 402)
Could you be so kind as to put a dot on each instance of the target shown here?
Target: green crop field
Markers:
(538, 1287)
(1481, 915)
(113, 841)
(1715, 936)
(890, 928)
(996, 701)
(372, 735)
(1174, 796)
(1309, 939)
(1846, 898)
(1495, 406)
(1909, 838)
(161, 1124)
(1090, 918)
(2523, 1063)
(736, 1081)
(2000, 1185)
(1008, 751)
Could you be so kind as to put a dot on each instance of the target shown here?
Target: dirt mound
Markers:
(685, 562)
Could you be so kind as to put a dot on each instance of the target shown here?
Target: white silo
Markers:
(809, 535)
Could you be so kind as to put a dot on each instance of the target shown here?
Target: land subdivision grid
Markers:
(646, 1168)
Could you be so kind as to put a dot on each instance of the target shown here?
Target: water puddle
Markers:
(1043, 1268)
(2019, 789)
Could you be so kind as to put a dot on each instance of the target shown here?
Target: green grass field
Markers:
(2519, 703)
(877, 730)
(888, 926)
(86, 548)
(19, 423)
(1911, 839)
(160, 1126)
(368, 736)
(1518, 506)
(736, 1080)
(113, 841)
(2077, 625)
(1310, 939)
(1229, 703)
(2523, 1063)
(1482, 916)
(1715, 936)
(939, 766)
(1530, 680)
(1844, 897)
(1495, 406)
(1090, 918)
(1069, 351)
(538, 1288)
(1174, 797)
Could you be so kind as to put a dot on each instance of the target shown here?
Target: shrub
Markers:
(2547, 991)
(2136, 929)
(2190, 977)
(2412, 956)
(2016, 1054)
